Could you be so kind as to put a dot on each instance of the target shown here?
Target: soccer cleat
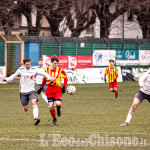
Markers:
(116, 99)
(54, 121)
(36, 121)
(124, 124)
(58, 111)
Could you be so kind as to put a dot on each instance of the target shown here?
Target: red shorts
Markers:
(112, 85)
(54, 92)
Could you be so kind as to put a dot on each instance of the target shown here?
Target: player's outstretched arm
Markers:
(16, 74)
(44, 74)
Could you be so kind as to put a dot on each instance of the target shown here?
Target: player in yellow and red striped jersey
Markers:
(54, 90)
(112, 73)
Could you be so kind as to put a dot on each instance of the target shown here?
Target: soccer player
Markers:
(54, 90)
(144, 93)
(27, 86)
(39, 80)
(112, 73)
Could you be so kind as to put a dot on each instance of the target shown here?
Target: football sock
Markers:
(45, 98)
(116, 94)
(58, 107)
(35, 111)
(129, 117)
(53, 113)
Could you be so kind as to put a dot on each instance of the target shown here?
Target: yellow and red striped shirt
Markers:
(112, 73)
(57, 74)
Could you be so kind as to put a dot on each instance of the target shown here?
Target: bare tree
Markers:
(77, 15)
(142, 10)
(106, 16)
(80, 17)
(7, 9)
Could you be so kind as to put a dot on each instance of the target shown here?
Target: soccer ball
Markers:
(71, 90)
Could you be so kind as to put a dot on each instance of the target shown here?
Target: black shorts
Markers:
(25, 97)
(53, 100)
(44, 88)
(141, 96)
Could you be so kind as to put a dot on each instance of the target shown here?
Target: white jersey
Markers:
(27, 78)
(145, 80)
(39, 78)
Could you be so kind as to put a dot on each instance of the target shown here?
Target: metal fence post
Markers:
(42, 48)
(59, 47)
(107, 43)
(76, 48)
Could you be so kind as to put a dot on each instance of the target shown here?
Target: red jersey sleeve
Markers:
(64, 76)
(106, 71)
(43, 83)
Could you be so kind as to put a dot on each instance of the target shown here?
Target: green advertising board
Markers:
(127, 57)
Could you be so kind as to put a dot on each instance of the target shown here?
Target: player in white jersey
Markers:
(39, 80)
(27, 86)
(144, 93)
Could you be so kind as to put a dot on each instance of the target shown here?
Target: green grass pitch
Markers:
(91, 110)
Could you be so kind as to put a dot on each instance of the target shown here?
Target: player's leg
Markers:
(116, 93)
(33, 97)
(24, 101)
(58, 106)
(43, 95)
(113, 88)
(25, 108)
(58, 100)
(52, 110)
(137, 100)
(35, 111)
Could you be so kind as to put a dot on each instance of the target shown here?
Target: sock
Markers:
(58, 107)
(45, 98)
(116, 94)
(53, 114)
(35, 111)
(129, 117)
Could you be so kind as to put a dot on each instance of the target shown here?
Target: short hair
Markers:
(54, 58)
(26, 60)
(111, 61)
(40, 59)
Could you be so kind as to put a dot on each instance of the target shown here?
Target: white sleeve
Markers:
(43, 73)
(142, 79)
(16, 74)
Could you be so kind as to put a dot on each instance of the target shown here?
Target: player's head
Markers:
(54, 61)
(27, 63)
(111, 62)
(40, 62)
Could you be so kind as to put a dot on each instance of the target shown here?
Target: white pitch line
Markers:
(7, 139)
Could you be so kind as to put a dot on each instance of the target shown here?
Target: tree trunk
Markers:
(105, 28)
(146, 32)
(54, 26)
(38, 25)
